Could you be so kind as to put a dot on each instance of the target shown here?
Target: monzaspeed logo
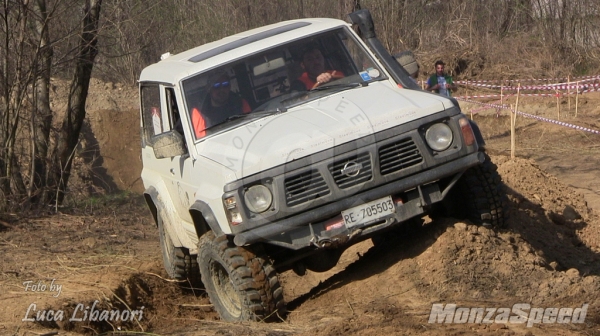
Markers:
(519, 313)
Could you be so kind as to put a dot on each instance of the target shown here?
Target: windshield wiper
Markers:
(298, 94)
(294, 95)
(339, 86)
(256, 114)
(245, 115)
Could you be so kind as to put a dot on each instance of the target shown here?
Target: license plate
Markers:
(368, 212)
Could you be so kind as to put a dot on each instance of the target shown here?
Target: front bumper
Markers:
(308, 228)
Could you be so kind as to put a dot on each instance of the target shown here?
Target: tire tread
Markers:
(252, 275)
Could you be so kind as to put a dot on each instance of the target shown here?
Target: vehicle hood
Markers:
(316, 126)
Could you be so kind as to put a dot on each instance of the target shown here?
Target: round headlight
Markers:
(439, 137)
(258, 198)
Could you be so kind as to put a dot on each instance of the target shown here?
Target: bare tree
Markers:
(26, 61)
(16, 76)
(41, 114)
(68, 135)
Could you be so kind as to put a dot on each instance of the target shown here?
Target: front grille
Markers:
(398, 155)
(305, 187)
(348, 178)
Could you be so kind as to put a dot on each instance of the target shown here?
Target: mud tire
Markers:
(478, 196)
(241, 284)
(178, 262)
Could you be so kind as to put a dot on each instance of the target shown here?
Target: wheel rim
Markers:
(225, 290)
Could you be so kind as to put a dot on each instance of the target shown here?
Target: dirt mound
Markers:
(565, 152)
(112, 145)
(543, 258)
(108, 157)
(112, 138)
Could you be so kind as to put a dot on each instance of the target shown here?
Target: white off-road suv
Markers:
(254, 165)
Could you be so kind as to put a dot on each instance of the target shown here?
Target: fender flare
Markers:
(154, 204)
(204, 219)
(151, 197)
(478, 135)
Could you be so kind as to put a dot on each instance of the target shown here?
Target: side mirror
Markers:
(408, 62)
(168, 144)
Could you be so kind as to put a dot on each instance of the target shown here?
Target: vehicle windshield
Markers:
(276, 79)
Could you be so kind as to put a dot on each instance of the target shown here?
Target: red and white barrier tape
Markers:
(475, 111)
(510, 95)
(527, 115)
(590, 90)
(573, 79)
(560, 94)
(485, 104)
(538, 87)
(581, 128)
(481, 96)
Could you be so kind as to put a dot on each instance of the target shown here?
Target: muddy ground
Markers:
(105, 248)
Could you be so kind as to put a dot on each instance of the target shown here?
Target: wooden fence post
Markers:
(557, 104)
(576, 98)
(513, 122)
(569, 91)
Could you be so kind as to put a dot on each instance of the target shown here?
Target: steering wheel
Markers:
(333, 76)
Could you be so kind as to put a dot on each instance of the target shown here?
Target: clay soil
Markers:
(104, 246)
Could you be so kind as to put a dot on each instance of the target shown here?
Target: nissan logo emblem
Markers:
(351, 169)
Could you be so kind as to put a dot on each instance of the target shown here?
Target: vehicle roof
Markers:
(178, 66)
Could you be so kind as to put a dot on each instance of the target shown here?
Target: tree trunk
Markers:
(14, 86)
(68, 135)
(41, 116)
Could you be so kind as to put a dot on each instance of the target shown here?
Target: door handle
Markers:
(172, 170)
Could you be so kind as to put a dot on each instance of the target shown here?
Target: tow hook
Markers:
(322, 242)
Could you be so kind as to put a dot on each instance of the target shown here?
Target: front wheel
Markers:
(478, 196)
(242, 285)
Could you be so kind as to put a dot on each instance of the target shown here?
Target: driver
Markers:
(314, 74)
(220, 104)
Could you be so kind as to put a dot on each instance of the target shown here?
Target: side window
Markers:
(172, 107)
(151, 111)
(159, 118)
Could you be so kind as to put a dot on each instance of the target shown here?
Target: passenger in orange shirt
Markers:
(315, 73)
(220, 104)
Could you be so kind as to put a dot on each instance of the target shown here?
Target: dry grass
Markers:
(516, 57)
